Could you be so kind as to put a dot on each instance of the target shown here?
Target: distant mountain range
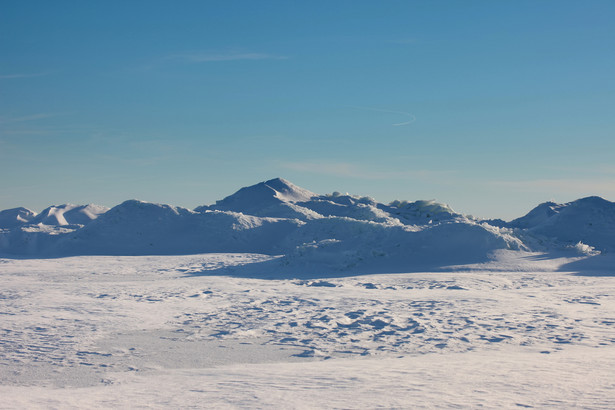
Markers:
(278, 217)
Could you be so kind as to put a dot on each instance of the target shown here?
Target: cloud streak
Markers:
(350, 170)
(27, 118)
(219, 57)
(20, 75)
(411, 117)
(574, 187)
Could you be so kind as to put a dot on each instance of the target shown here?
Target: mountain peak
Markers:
(592, 201)
(287, 191)
(69, 214)
(261, 197)
(537, 215)
(10, 218)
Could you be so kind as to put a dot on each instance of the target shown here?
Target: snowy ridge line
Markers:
(339, 231)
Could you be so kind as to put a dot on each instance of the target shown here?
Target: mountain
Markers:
(342, 243)
(337, 231)
(69, 214)
(275, 198)
(420, 212)
(142, 228)
(11, 218)
(278, 198)
(537, 215)
(588, 220)
(38, 234)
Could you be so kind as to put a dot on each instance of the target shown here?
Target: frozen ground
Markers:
(210, 330)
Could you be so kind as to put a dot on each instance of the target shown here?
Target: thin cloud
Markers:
(595, 169)
(350, 170)
(217, 57)
(26, 118)
(20, 75)
(411, 117)
(573, 187)
(606, 169)
(409, 40)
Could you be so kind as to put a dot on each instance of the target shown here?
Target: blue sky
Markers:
(489, 106)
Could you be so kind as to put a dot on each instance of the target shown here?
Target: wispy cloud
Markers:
(217, 57)
(26, 118)
(351, 170)
(606, 168)
(411, 117)
(595, 169)
(573, 187)
(21, 75)
(407, 40)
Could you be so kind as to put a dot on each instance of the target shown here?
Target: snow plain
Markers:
(348, 304)
(192, 331)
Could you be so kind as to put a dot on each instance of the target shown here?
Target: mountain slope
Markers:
(275, 198)
(277, 217)
(11, 218)
(589, 220)
(536, 216)
(143, 228)
(69, 214)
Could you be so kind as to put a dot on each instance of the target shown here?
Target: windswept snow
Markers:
(169, 331)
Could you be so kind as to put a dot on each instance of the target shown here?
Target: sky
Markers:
(491, 107)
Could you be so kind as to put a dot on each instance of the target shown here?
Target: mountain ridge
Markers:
(279, 218)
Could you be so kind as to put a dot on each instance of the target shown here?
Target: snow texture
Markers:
(190, 332)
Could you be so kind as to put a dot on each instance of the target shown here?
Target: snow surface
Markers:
(276, 297)
(193, 331)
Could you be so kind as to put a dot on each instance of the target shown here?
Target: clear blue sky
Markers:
(489, 106)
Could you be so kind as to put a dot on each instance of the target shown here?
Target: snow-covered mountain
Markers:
(69, 214)
(275, 198)
(588, 220)
(23, 232)
(11, 218)
(143, 228)
(55, 215)
(536, 216)
(340, 231)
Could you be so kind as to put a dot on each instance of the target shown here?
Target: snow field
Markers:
(195, 331)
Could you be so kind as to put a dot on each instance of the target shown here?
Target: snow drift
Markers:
(277, 217)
